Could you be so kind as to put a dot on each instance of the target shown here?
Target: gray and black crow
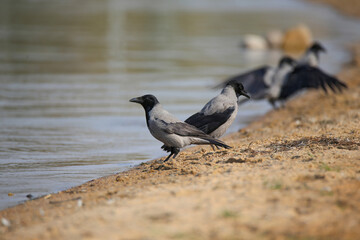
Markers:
(219, 113)
(166, 128)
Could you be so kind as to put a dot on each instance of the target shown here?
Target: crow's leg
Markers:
(212, 146)
(175, 151)
(169, 157)
(273, 104)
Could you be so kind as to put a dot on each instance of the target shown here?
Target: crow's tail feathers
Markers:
(217, 142)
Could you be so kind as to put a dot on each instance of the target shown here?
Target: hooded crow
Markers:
(166, 128)
(219, 113)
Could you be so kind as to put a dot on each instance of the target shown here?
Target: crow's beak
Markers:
(136, 100)
(244, 93)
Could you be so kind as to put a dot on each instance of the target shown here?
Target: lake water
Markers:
(69, 68)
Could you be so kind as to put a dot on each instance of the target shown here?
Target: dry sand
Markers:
(293, 174)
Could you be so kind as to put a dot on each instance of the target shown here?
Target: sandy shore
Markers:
(293, 174)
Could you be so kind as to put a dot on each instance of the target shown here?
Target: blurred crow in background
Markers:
(287, 78)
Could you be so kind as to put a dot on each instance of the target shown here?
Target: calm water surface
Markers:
(68, 69)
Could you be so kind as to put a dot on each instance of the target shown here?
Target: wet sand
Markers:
(293, 174)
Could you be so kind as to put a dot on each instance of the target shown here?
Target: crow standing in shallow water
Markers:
(171, 131)
(219, 113)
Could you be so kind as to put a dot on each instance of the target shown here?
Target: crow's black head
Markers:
(287, 60)
(148, 101)
(239, 89)
(317, 47)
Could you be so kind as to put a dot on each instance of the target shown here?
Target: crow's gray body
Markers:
(171, 131)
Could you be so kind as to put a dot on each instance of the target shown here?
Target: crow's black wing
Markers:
(209, 123)
(252, 81)
(309, 77)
